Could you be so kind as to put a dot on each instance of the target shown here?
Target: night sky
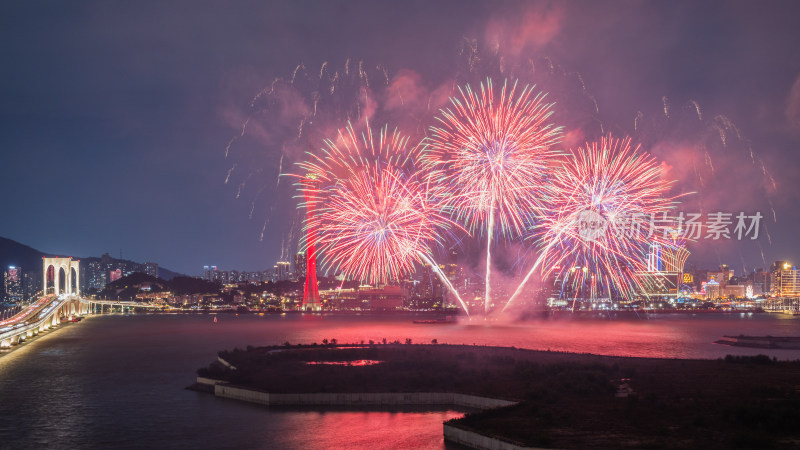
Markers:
(115, 116)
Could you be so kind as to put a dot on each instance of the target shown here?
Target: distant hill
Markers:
(163, 273)
(12, 253)
(127, 287)
(167, 274)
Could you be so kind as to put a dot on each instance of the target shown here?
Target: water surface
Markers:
(117, 381)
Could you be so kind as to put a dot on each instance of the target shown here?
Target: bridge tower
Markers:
(310, 291)
(58, 270)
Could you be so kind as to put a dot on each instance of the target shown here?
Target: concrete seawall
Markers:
(475, 440)
(371, 399)
(209, 381)
(451, 433)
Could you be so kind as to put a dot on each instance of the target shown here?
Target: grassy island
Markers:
(565, 400)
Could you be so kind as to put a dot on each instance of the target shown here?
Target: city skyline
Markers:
(146, 150)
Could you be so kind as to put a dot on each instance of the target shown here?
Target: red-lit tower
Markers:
(310, 291)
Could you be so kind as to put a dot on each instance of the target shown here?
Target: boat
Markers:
(215, 319)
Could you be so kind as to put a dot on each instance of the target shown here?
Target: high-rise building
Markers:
(114, 275)
(784, 279)
(13, 285)
(94, 275)
(300, 265)
(31, 283)
(151, 269)
(210, 273)
(761, 281)
(427, 290)
(654, 261)
(282, 270)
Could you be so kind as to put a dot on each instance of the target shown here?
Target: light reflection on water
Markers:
(117, 381)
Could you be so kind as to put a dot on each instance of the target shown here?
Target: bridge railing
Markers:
(38, 315)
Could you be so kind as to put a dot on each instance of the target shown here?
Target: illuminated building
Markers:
(97, 278)
(151, 269)
(114, 275)
(427, 291)
(720, 277)
(736, 291)
(383, 298)
(456, 274)
(654, 262)
(30, 283)
(761, 281)
(13, 284)
(282, 270)
(364, 298)
(210, 273)
(712, 289)
(299, 265)
(785, 279)
(665, 264)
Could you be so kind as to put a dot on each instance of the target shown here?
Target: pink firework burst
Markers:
(374, 218)
(488, 157)
(490, 152)
(596, 239)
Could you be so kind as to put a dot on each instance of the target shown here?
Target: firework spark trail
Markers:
(489, 233)
(528, 276)
(444, 280)
(696, 107)
(375, 218)
(288, 113)
(488, 155)
(263, 229)
(235, 138)
(230, 171)
(280, 169)
(605, 183)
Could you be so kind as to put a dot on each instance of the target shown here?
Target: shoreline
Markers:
(41, 335)
(605, 397)
(380, 401)
(459, 314)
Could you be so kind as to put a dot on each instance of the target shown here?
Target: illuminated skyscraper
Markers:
(654, 261)
(210, 273)
(13, 284)
(300, 265)
(785, 279)
(282, 271)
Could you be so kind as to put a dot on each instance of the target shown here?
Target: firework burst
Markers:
(488, 156)
(596, 237)
(374, 216)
